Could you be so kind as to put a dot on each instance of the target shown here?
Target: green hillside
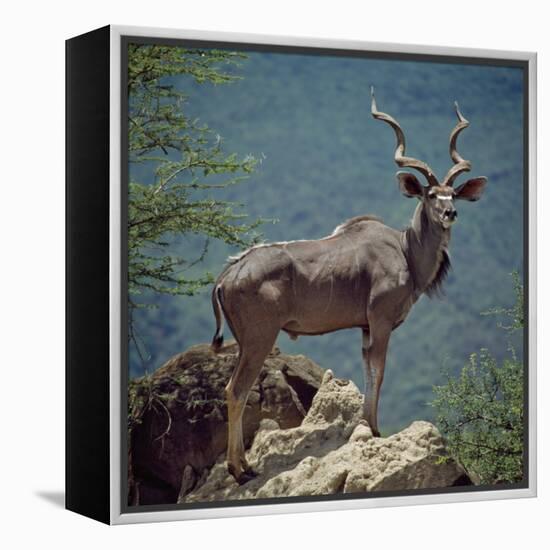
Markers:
(325, 159)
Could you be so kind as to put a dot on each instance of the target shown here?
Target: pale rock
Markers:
(334, 451)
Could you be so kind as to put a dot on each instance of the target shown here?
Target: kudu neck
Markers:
(425, 244)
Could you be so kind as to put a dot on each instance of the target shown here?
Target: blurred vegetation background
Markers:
(323, 159)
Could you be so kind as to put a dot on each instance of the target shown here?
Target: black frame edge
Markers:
(87, 450)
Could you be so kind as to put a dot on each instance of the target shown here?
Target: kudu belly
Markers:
(325, 307)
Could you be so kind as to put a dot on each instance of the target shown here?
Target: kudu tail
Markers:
(217, 341)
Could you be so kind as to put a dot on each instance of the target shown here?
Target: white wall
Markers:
(32, 230)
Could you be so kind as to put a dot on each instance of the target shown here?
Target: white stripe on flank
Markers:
(239, 256)
(339, 229)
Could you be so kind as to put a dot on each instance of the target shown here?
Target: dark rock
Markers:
(178, 416)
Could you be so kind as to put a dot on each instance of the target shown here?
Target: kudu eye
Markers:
(431, 195)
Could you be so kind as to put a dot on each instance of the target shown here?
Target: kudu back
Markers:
(365, 275)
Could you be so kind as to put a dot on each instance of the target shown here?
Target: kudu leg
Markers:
(249, 366)
(375, 345)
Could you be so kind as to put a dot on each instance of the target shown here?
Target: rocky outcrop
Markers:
(333, 451)
(178, 418)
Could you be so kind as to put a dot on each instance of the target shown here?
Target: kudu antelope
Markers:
(365, 275)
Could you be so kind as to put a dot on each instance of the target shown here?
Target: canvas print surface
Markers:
(303, 323)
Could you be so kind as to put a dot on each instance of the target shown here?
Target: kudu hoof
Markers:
(242, 477)
(246, 476)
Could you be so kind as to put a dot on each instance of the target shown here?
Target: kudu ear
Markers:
(471, 190)
(409, 185)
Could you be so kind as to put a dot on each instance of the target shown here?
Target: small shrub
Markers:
(480, 412)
